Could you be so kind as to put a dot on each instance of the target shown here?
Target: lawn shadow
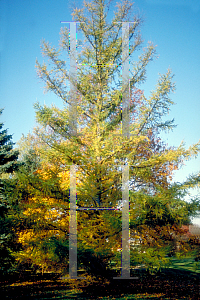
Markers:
(167, 284)
(170, 283)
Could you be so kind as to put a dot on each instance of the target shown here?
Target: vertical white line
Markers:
(125, 223)
(73, 79)
(125, 80)
(72, 225)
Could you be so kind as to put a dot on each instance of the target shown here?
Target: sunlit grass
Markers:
(188, 264)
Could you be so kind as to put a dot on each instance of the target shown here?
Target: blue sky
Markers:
(174, 26)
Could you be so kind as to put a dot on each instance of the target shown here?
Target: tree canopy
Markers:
(157, 205)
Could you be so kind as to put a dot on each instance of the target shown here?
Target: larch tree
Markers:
(157, 207)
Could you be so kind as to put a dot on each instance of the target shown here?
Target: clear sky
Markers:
(172, 25)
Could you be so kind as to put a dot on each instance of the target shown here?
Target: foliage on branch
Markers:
(157, 206)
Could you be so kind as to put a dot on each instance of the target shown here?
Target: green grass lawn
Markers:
(180, 281)
(186, 264)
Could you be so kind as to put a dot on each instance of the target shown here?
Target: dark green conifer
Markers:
(8, 164)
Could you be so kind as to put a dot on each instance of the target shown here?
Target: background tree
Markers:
(8, 205)
(98, 149)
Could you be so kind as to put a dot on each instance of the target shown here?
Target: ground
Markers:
(181, 281)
